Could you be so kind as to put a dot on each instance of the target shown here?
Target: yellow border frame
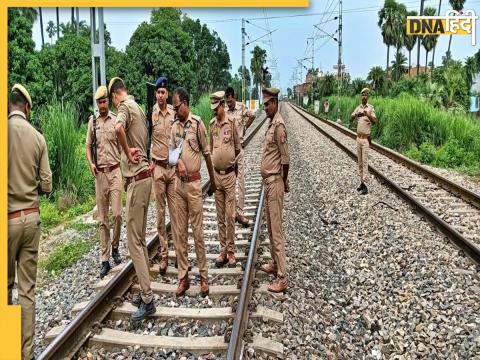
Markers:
(10, 315)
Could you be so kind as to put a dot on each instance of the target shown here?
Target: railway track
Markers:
(215, 325)
(453, 209)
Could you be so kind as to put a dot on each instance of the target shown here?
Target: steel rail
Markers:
(77, 332)
(470, 248)
(457, 189)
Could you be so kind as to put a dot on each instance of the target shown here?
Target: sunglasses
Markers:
(176, 108)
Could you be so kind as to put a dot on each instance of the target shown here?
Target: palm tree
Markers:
(41, 25)
(50, 30)
(433, 54)
(409, 41)
(257, 64)
(377, 76)
(399, 66)
(391, 20)
(419, 39)
(429, 41)
(471, 69)
(58, 25)
(458, 6)
(401, 15)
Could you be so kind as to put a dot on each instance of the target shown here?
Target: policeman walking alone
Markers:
(29, 176)
(364, 114)
(103, 156)
(225, 147)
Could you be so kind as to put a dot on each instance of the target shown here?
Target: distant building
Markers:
(421, 70)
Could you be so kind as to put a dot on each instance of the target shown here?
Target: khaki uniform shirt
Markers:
(364, 124)
(162, 128)
(275, 147)
(28, 166)
(131, 116)
(240, 115)
(108, 147)
(194, 144)
(224, 141)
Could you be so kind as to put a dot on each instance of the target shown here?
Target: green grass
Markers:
(421, 131)
(51, 216)
(202, 109)
(66, 255)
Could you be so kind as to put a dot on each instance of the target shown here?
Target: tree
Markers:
(21, 48)
(289, 93)
(257, 64)
(357, 85)
(398, 66)
(409, 41)
(458, 6)
(377, 76)
(471, 69)
(212, 61)
(41, 26)
(158, 47)
(51, 30)
(391, 20)
(429, 41)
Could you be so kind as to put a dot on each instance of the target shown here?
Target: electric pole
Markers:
(41, 26)
(243, 60)
(98, 51)
(339, 65)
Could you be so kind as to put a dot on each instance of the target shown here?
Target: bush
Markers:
(65, 142)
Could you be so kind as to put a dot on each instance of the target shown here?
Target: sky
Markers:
(363, 47)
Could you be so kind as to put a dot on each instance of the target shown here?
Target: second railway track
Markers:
(191, 325)
(449, 206)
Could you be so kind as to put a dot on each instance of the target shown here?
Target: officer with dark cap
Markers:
(163, 117)
(29, 176)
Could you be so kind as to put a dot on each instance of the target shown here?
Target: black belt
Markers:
(226, 171)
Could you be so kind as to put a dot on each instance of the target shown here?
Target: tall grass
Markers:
(65, 142)
(424, 133)
(202, 109)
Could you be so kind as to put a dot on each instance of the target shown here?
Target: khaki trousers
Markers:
(274, 191)
(189, 206)
(225, 204)
(23, 239)
(362, 153)
(241, 182)
(163, 186)
(138, 196)
(108, 186)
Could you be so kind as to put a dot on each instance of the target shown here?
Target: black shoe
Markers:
(116, 256)
(105, 269)
(362, 185)
(144, 311)
(136, 301)
(364, 191)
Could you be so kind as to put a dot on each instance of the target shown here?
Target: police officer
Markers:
(163, 173)
(225, 147)
(108, 177)
(326, 108)
(243, 118)
(275, 164)
(132, 133)
(29, 176)
(364, 114)
(190, 131)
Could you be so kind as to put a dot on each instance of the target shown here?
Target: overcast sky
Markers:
(362, 42)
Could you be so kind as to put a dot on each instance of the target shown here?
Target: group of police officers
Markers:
(120, 151)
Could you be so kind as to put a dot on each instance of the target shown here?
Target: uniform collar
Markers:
(275, 117)
(128, 97)
(17, 113)
(109, 115)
